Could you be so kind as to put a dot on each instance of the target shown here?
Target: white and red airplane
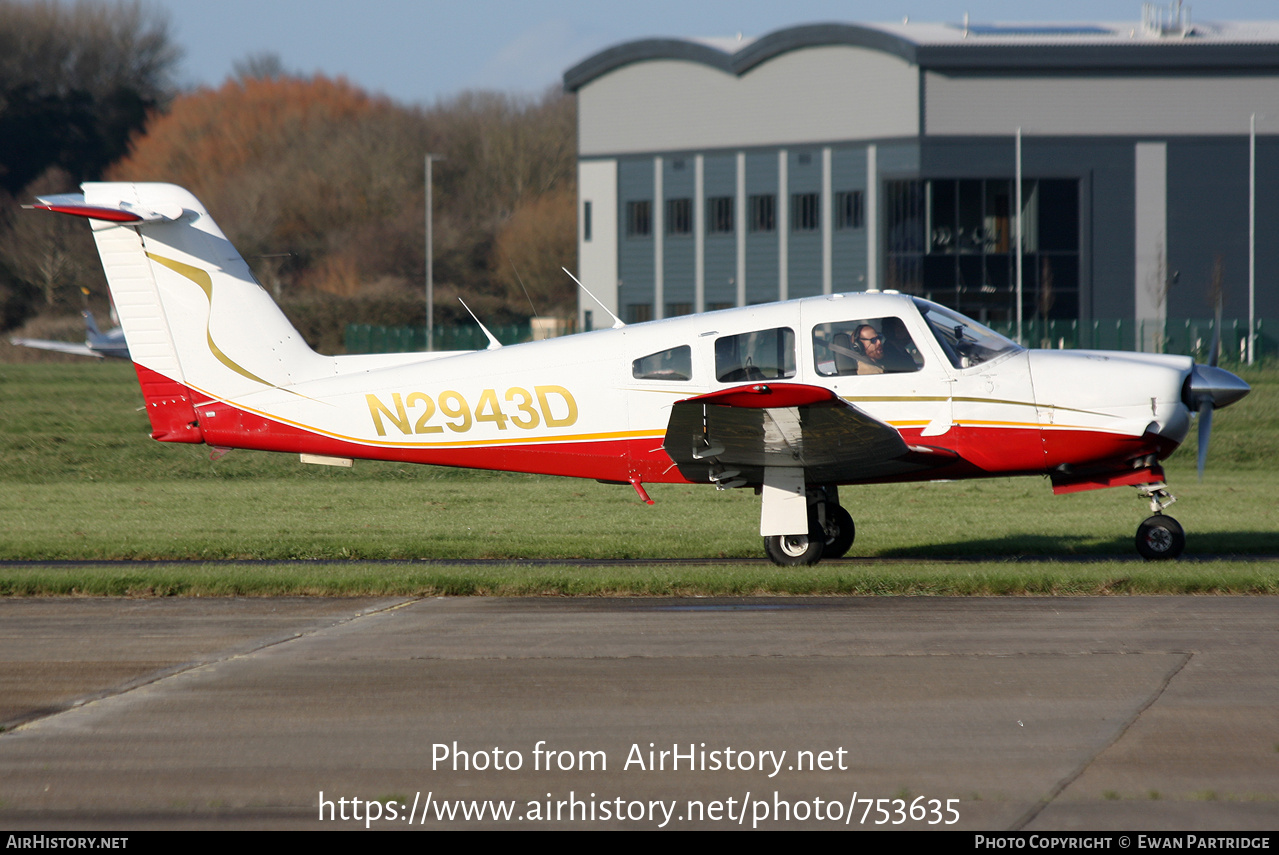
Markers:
(793, 399)
(96, 343)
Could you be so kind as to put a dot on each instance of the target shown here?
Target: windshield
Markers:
(965, 342)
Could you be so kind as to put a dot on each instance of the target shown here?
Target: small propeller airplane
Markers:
(96, 343)
(792, 399)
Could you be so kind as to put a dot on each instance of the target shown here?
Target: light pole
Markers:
(1018, 239)
(430, 266)
(1252, 237)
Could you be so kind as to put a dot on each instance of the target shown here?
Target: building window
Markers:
(674, 310)
(848, 210)
(638, 313)
(719, 215)
(586, 222)
(763, 213)
(679, 216)
(954, 241)
(805, 215)
(639, 219)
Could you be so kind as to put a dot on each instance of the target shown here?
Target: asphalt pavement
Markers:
(1102, 713)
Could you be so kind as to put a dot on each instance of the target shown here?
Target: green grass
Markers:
(754, 578)
(79, 479)
(486, 516)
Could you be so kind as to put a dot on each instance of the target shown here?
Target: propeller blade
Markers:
(1208, 388)
(1205, 432)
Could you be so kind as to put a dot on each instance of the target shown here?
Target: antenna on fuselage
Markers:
(617, 322)
(494, 344)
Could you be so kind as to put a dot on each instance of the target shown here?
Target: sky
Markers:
(424, 51)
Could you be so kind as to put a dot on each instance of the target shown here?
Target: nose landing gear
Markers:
(1159, 537)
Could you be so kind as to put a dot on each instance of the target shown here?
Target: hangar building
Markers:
(847, 157)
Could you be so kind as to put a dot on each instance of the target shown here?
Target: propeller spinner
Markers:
(1208, 388)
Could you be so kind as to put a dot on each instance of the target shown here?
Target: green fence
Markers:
(370, 338)
(1188, 337)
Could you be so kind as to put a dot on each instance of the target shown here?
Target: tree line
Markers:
(318, 183)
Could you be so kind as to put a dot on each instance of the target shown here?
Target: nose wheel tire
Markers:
(1160, 538)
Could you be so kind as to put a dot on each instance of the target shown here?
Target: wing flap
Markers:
(792, 425)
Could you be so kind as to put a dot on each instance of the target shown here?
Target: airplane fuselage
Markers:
(574, 406)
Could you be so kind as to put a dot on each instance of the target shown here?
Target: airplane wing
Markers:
(59, 346)
(736, 433)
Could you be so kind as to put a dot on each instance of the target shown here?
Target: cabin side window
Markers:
(758, 355)
(865, 346)
(673, 364)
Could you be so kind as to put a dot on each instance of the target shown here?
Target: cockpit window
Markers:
(673, 364)
(965, 342)
(866, 346)
(759, 355)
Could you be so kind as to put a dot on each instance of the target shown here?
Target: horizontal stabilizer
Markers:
(118, 212)
(57, 346)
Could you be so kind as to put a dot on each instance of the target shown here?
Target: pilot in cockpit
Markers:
(869, 350)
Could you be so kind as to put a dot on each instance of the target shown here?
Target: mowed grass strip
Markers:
(756, 578)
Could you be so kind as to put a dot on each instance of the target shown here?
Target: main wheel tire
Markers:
(794, 550)
(838, 544)
(1160, 538)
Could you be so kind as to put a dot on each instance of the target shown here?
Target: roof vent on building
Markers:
(1170, 20)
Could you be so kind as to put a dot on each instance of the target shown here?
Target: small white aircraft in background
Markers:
(96, 343)
(793, 399)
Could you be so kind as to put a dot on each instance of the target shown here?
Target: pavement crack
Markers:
(1060, 787)
(48, 711)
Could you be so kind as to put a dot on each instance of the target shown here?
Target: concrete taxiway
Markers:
(1037, 713)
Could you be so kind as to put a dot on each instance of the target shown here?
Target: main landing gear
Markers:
(830, 533)
(1159, 537)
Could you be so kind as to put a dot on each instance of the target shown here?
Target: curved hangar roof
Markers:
(1095, 46)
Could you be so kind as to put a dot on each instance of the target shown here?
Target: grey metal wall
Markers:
(1208, 217)
(720, 261)
(848, 246)
(835, 92)
(1096, 104)
(678, 249)
(804, 256)
(762, 257)
(635, 255)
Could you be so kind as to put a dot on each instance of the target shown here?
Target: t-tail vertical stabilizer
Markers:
(198, 324)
